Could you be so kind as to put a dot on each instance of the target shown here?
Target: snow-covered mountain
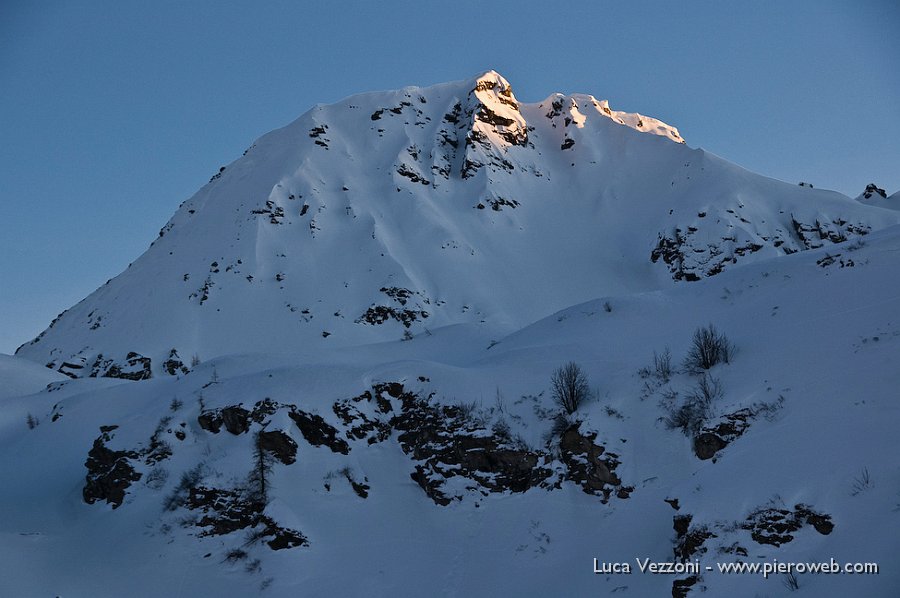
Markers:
(396, 213)
(332, 373)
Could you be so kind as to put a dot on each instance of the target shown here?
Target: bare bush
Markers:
(692, 414)
(189, 480)
(662, 365)
(791, 582)
(501, 430)
(657, 374)
(156, 478)
(235, 554)
(708, 347)
(861, 483)
(570, 387)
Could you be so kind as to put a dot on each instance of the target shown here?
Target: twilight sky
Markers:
(114, 112)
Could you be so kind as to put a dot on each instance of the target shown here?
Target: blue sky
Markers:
(113, 113)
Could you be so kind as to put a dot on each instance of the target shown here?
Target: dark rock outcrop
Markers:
(109, 472)
(589, 465)
(228, 511)
(447, 444)
(776, 526)
(318, 432)
(173, 365)
(136, 367)
(279, 444)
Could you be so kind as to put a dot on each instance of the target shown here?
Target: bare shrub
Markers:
(235, 554)
(570, 387)
(791, 582)
(708, 347)
(465, 410)
(861, 483)
(156, 478)
(501, 430)
(662, 365)
(189, 481)
(692, 414)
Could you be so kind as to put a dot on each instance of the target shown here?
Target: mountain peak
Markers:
(392, 214)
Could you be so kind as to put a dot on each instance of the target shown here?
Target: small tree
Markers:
(32, 421)
(570, 387)
(262, 470)
(708, 347)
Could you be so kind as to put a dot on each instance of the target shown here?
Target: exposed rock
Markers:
(588, 466)
(72, 367)
(136, 367)
(318, 432)
(109, 472)
(775, 526)
(448, 444)
(379, 314)
(681, 587)
(283, 537)
(279, 444)
(830, 260)
(813, 236)
(707, 444)
(264, 409)
(211, 421)
(158, 449)
(689, 540)
(173, 365)
(228, 511)
(715, 436)
(398, 294)
(410, 173)
(497, 203)
(359, 426)
(392, 389)
(361, 489)
(236, 419)
(873, 189)
(274, 212)
(691, 252)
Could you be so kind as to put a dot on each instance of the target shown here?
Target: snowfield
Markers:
(331, 374)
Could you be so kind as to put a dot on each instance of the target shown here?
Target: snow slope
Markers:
(440, 464)
(803, 331)
(23, 377)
